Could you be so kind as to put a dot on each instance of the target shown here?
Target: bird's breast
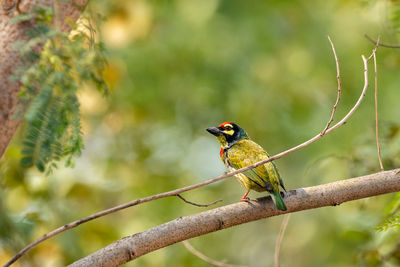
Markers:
(224, 157)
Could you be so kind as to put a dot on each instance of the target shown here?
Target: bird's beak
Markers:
(214, 130)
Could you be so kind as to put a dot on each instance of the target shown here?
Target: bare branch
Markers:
(378, 147)
(198, 205)
(339, 89)
(213, 180)
(331, 194)
(279, 239)
(205, 258)
(381, 44)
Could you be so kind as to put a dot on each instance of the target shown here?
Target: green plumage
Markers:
(239, 151)
(262, 178)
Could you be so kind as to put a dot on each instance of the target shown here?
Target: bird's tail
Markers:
(279, 203)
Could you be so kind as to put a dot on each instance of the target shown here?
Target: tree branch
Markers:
(196, 204)
(381, 44)
(279, 239)
(378, 147)
(213, 180)
(10, 33)
(339, 88)
(331, 194)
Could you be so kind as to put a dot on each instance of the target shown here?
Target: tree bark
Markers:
(182, 228)
(10, 58)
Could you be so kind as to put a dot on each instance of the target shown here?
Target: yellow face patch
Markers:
(230, 132)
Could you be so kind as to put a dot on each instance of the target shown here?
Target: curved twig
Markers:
(205, 258)
(339, 88)
(279, 239)
(381, 44)
(198, 205)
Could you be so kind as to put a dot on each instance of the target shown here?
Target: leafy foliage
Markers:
(393, 15)
(391, 222)
(50, 86)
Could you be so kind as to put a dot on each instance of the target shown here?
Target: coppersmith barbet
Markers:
(238, 151)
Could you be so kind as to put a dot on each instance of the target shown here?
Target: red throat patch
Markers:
(223, 124)
(221, 152)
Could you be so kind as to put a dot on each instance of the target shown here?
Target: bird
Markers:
(238, 151)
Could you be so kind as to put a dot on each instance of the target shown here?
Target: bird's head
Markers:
(228, 133)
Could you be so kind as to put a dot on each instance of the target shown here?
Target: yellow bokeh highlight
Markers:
(134, 22)
(17, 199)
(92, 102)
(114, 72)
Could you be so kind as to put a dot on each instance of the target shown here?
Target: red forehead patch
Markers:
(223, 124)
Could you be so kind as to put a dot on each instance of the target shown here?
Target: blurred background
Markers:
(177, 67)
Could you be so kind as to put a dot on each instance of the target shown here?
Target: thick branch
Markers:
(10, 58)
(183, 228)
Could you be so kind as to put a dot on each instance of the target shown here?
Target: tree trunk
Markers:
(10, 58)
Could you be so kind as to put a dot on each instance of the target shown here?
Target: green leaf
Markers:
(391, 222)
(27, 161)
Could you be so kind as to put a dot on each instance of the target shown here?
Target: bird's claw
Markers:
(245, 199)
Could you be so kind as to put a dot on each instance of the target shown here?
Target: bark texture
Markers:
(66, 11)
(182, 228)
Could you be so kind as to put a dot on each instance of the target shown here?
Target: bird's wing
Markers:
(245, 153)
(271, 167)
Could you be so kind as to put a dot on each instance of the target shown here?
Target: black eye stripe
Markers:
(226, 128)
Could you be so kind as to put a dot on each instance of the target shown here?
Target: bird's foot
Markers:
(245, 199)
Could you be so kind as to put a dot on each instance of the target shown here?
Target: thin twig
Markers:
(198, 205)
(381, 44)
(280, 238)
(213, 180)
(339, 88)
(378, 147)
(205, 258)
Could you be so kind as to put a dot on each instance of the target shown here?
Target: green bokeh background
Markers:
(177, 67)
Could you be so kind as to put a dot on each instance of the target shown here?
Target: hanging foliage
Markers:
(49, 87)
